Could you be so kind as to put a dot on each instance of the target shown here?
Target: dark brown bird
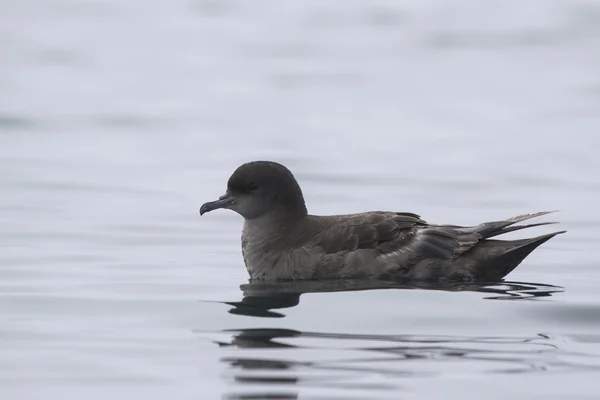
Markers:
(281, 241)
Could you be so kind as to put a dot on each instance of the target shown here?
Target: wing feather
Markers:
(390, 233)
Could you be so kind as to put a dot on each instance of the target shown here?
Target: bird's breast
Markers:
(265, 259)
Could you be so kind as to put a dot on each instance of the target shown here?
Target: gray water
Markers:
(118, 119)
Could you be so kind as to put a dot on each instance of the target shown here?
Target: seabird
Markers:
(281, 241)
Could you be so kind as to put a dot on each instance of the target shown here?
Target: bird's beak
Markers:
(224, 202)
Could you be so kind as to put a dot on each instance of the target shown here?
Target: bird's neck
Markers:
(273, 227)
(267, 241)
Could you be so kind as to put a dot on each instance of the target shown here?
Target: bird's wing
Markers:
(392, 233)
(402, 245)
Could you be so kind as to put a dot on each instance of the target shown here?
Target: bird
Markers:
(282, 241)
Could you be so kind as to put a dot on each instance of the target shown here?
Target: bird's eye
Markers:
(252, 187)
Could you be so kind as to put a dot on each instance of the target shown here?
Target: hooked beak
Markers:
(224, 202)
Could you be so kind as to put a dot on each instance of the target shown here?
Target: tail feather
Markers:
(491, 229)
(524, 217)
(519, 227)
(494, 259)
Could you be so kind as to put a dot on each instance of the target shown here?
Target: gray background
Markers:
(118, 119)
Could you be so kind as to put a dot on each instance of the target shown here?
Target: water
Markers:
(119, 119)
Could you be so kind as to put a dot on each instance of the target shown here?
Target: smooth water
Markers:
(118, 119)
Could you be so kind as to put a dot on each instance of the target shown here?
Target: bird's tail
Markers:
(492, 260)
(491, 229)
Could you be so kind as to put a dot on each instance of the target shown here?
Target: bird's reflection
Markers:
(393, 356)
(260, 298)
(266, 362)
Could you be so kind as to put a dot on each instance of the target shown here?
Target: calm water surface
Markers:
(119, 119)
